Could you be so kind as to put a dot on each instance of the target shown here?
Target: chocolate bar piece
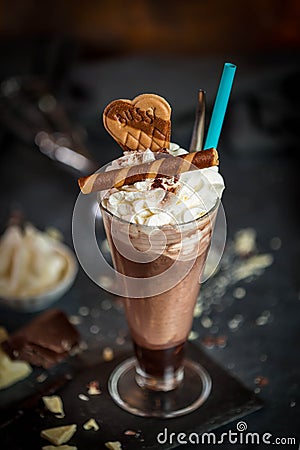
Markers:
(44, 341)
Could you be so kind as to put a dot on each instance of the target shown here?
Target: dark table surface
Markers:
(259, 161)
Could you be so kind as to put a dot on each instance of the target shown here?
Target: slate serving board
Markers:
(228, 400)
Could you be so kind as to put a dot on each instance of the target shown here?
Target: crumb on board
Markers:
(83, 397)
(108, 354)
(93, 388)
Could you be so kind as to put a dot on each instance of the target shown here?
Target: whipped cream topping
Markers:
(164, 201)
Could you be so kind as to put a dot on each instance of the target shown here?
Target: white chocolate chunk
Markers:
(3, 334)
(59, 435)
(91, 424)
(11, 371)
(60, 447)
(54, 404)
(116, 445)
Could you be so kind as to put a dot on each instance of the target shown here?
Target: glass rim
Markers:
(162, 227)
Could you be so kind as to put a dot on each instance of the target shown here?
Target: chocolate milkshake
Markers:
(160, 324)
(158, 204)
(160, 230)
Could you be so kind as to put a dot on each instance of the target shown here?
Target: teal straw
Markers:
(218, 114)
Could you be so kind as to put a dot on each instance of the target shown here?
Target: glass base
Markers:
(166, 384)
(188, 396)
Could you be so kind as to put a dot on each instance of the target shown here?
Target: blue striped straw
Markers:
(218, 114)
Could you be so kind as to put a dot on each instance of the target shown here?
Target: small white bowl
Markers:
(41, 300)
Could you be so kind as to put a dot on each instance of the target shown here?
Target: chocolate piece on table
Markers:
(44, 341)
(141, 123)
(34, 354)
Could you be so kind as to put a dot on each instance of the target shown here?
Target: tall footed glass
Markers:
(165, 264)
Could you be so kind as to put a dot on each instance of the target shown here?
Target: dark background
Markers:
(92, 52)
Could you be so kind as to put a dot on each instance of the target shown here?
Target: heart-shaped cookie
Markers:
(141, 123)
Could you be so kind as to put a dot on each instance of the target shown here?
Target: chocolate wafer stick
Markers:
(167, 166)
